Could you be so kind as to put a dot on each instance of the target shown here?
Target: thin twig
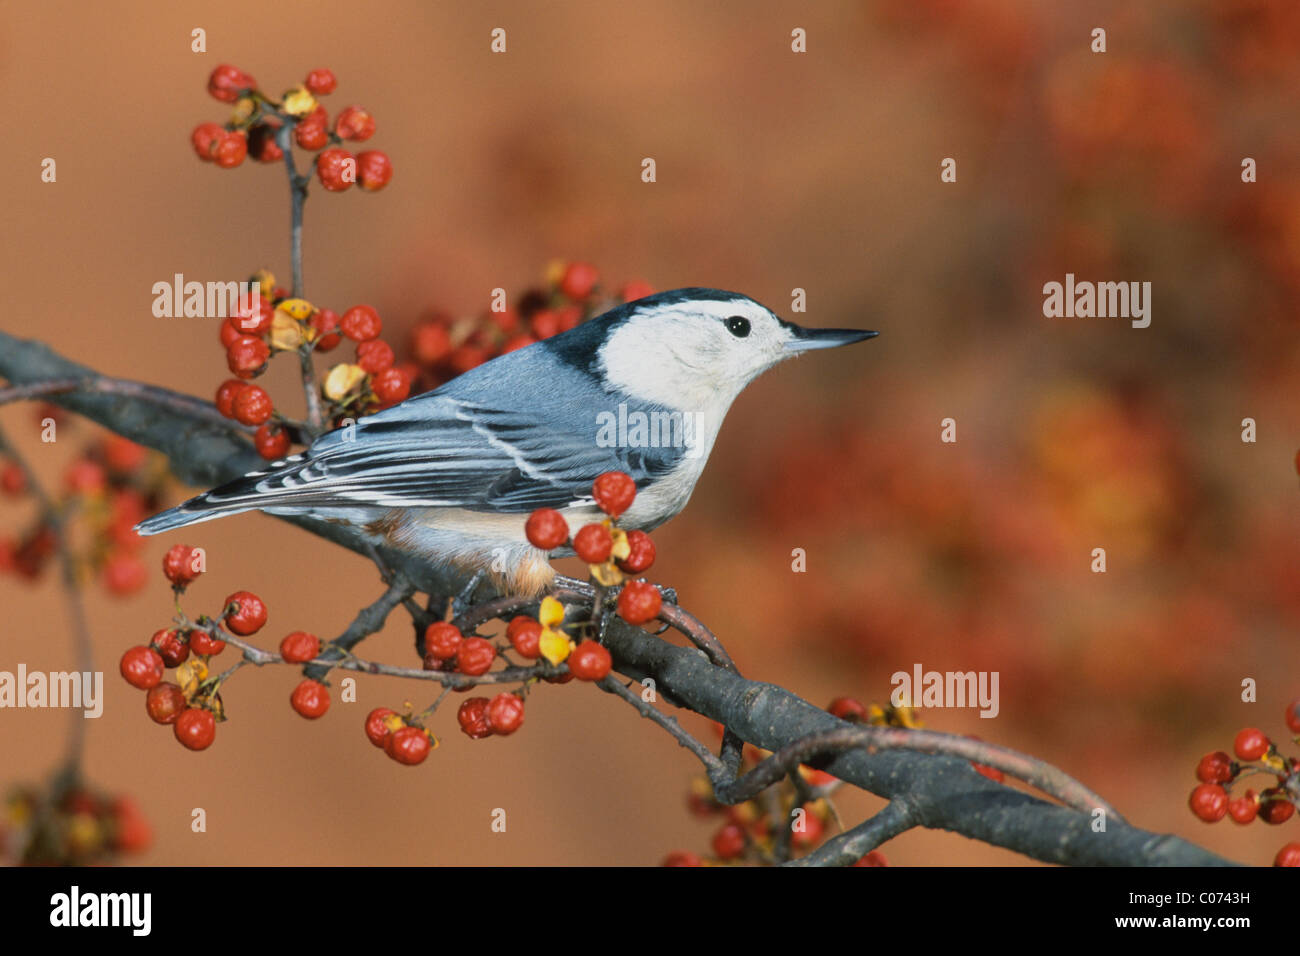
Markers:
(849, 847)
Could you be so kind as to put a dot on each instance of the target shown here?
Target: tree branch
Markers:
(941, 792)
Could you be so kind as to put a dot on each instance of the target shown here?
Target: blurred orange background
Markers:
(776, 171)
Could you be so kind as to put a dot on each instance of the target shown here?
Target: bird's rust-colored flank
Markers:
(528, 574)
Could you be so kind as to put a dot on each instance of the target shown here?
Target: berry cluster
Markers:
(112, 484)
(191, 702)
(289, 324)
(261, 127)
(610, 552)
(1211, 801)
(442, 347)
(69, 826)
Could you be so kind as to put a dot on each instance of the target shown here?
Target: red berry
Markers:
(201, 642)
(262, 145)
(1245, 808)
(682, 858)
(1209, 801)
(170, 647)
(524, 634)
(377, 727)
(593, 543)
(874, 858)
(391, 385)
(336, 168)
(430, 343)
(228, 333)
(85, 477)
(252, 406)
(124, 573)
(1289, 855)
(248, 321)
(1274, 807)
(546, 529)
(271, 441)
(475, 656)
(809, 830)
(227, 82)
(310, 698)
(131, 831)
(247, 355)
(225, 400)
(569, 317)
(1293, 716)
(729, 842)
(319, 82)
(442, 640)
(312, 131)
(122, 455)
(641, 553)
(518, 342)
(579, 280)
(165, 703)
(354, 123)
(1250, 743)
(1214, 768)
(408, 745)
(361, 323)
(180, 565)
(589, 661)
(325, 322)
(635, 289)
(846, 708)
(300, 647)
(473, 719)
(374, 170)
(205, 138)
(638, 602)
(614, 492)
(505, 714)
(248, 614)
(544, 323)
(142, 667)
(196, 728)
(13, 479)
(231, 150)
(375, 356)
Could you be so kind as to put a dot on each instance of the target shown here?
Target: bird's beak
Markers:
(803, 340)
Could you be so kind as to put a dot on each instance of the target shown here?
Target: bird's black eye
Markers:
(737, 326)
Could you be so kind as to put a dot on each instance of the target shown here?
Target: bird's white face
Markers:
(696, 353)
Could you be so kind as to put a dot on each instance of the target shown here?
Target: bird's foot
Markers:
(464, 600)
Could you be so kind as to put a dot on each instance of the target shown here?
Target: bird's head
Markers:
(701, 347)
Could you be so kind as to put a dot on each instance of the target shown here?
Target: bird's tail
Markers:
(190, 512)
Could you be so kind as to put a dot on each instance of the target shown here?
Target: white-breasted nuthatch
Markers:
(453, 473)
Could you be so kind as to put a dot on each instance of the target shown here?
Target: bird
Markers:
(452, 474)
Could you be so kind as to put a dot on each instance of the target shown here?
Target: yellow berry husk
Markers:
(555, 646)
(244, 109)
(551, 613)
(621, 549)
(286, 332)
(190, 675)
(265, 282)
(607, 574)
(297, 308)
(342, 380)
(298, 101)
